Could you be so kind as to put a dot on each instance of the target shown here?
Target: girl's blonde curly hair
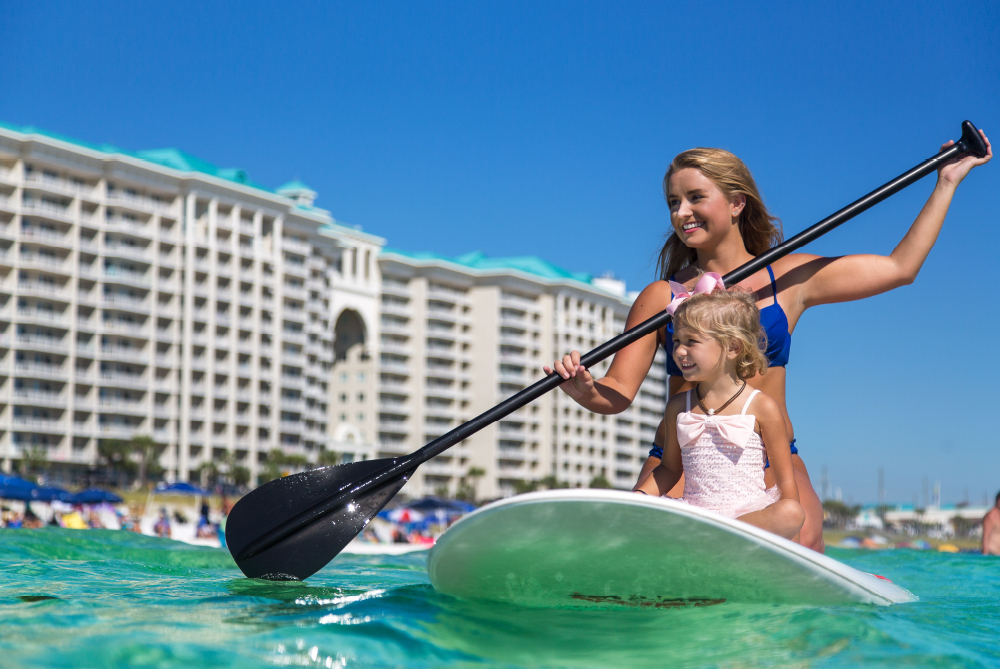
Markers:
(728, 317)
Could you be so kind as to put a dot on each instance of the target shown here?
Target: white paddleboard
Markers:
(600, 548)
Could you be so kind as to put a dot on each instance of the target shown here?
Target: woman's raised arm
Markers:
(818, 280)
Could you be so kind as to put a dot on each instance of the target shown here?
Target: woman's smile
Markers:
(688, 228)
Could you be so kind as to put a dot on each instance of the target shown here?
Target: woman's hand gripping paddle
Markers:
(293, 526)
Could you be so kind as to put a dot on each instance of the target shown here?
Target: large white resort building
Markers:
(460, 335)
(152, 293)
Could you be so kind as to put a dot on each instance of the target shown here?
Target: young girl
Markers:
(721, 432)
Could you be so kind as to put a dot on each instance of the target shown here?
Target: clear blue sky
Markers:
(545, 129)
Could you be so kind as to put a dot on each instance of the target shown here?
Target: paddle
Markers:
(290, 528)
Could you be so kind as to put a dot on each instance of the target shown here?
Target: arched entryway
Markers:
(352, 386)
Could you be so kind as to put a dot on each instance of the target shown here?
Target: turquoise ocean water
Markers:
(101, 598)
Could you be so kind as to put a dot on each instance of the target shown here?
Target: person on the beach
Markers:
(991, 529)
(162, 526)
(721, 432)
(719, 223)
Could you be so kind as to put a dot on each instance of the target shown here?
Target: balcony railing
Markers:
(37, 288)
(130, 354)
(47, 209)
(132, 380)
(30, 260)
(121, 276)
(122, 406)
(138, 202)
(31, 397)
(131, 252)
(38, 424)
(117, 430)
(125, 225)
(126, 303)
(43, 343)
(125, 327)
(39, 370)
(43, 316)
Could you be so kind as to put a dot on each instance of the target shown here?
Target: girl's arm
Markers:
(615, 392)
(775, 437)
(666, 475)
(818, 280)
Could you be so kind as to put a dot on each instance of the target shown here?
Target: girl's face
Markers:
(700, 357)
(700, 212)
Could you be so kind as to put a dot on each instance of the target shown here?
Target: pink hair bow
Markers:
(708, 282)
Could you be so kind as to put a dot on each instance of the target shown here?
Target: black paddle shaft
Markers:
(971, 142)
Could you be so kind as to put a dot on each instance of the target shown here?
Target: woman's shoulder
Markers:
(653, 298)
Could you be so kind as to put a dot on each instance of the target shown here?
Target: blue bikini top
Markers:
(775, 322)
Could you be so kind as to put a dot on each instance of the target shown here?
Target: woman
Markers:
(719, 223)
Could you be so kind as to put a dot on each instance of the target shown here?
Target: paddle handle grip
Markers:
(972, 141)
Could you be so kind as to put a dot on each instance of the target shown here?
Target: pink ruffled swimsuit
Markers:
(723, 462)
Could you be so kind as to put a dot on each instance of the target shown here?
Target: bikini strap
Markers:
(747, 404)
(689, 401)
(774, 286)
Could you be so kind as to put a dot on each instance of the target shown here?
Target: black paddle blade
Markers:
(276, 504)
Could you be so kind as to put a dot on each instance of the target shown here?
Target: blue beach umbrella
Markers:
(13, 487)
(431, 505)
(94, 496)
(181, 488)
(50, 493)
(15, 492)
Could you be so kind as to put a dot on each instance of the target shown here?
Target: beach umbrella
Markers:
(440, 511)
(181, 488)
(13, 487)
(94, 496)
(16, 481)
(16, 492)
(50, 493)
(435, 504)
(405, 515)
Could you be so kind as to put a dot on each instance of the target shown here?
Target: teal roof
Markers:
(294, 185)
(172, 158)
(480, 261)
(32, 130)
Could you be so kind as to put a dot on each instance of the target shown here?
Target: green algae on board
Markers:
(115, 599)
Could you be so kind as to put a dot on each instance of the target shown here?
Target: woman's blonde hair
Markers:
(760, 230)
(728, 317)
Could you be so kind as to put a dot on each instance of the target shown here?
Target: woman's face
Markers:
(700, 212)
